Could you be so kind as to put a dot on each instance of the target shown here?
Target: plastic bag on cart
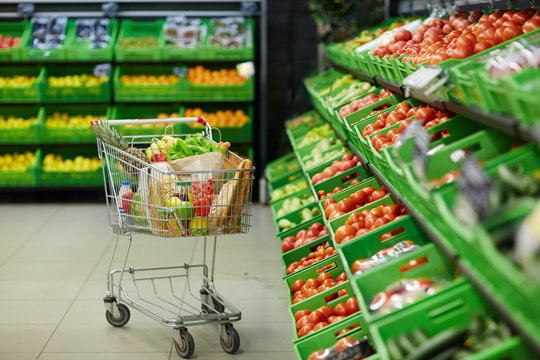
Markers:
(139, 207)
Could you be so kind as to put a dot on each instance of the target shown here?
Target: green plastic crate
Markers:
(327, 337)
(285, 179)
(242, 53)
(297, 254)
(298, 130)
(314, 302)
(14, 28)
(302, 195)
(295, 182)
(171, 52)
(30, 94)
(30, 135)
(21, 178)
(150, 111)
(329, 185)
(146, 93)
(466, 87)
(64, 135)
(295, 217)
(192, 92)
(28, 53)
(521, 91)
(70, 178)
(451, 308)
(139, 29)
(313, 272)
(242, 133)
(82, 50)
(57, 94)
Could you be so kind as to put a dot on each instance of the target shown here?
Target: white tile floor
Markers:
(53, 266)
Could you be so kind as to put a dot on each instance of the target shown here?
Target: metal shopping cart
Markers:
(209, 196)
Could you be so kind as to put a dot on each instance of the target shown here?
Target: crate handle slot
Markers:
(392, 233)
(314, 247)
(348, 177)
(413, 264)
(327, 269)
(446, 309)
(353, 326)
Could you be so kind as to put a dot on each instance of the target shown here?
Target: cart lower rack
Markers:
(203, 195)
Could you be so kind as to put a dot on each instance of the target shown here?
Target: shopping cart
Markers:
(212, 197)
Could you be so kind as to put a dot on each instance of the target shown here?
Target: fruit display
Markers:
(359, 198)
(303, 237)
(149, 80)
(184, 32)
(288, 190)
(305, 215)
(230, 32)
(323, 145)
(348, 161)
(199, 75)
(308, 322)
(84, 80)
(8, 41)
(155, 125)
(220, 118)
(139, 42)
(354, 90)
(315, 134)
(301, 290)
(322, 194)
(291, 204)
(48, 32)
(11, 162)
(358, 104)
(17, 81)
(321, 252)
(462, 35)
(55, 162)
(380, 257)
(360, 223)
(93, 33)
(16, 122)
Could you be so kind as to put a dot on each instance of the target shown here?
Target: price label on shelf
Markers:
(424, 83)
(102, 69)
(474, 192)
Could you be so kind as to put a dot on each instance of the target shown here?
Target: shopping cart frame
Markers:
(206, 307)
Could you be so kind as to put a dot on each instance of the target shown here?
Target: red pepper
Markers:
(126, 202)
(202, 206)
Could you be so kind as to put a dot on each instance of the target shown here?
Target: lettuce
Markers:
(193, 145)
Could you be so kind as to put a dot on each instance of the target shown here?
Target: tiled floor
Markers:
(53, 266)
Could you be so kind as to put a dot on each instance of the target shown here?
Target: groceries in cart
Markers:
(174, 185)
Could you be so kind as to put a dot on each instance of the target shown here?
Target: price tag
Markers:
(110, 9)
(420, 152)
(25, 10)
(474, 193)
(248, 8)
(180, 71)
(246, 69)
(102, 69)
(424, 83)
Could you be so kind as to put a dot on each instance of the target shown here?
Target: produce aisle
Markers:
(403, 207)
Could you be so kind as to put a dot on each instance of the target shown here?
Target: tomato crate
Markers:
(305, 148)
(147, 111)
(75, 178)
(466, 87)
(329, 185)
(76, 50)
(295, 256)
(364, 62)
(484, 144)
(335, 270)
(295, 217)
(334, 224)
(146, 93)
(243, 92)
(57, 131)
(521, 89)
(360, 121)
(21, 135)
(18, 178)
(304, 194)
(281, 165)
(328, 337)
(232, 53)
(71, 88)
(335, 152)
(33, 93)
(448, 310)
(19, 29)
(242, 133)
(301, 182)
(323, 299)
(344, 194)
(376, 240)
(131, 29)
(313, 119)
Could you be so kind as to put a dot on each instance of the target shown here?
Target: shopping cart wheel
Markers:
(187, 346)
(231, 342)
(122, 319)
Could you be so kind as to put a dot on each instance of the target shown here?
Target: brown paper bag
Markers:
(199, 163)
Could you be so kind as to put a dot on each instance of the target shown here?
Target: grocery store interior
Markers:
(274, 180)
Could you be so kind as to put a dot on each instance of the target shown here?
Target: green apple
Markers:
(184, 210)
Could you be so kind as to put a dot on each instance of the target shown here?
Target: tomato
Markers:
(342, 277)
(425, 114)
(462, 53)
(300, 323)
(312, 283)
(353, 218)
(354, 182)
(319, 355)
(316, 317)
(340, 309)
(346, 205)
(359, 197)
(498, 35)
(342, 292)
(327, 311)
(360, 232)
(329, 201)
(301, 313)
(344, 231)
(369, 189)
(320, 325)
(403, 35)
(531, 25)
(481, 46)
(345, 343)
(297, 285)
(378, 211)
(328, 209)
(376, 195)
(511, 32)
(336, 318)
(305, 329)
(351, 305)
(369, 221)
(324, 276)
(394, 118)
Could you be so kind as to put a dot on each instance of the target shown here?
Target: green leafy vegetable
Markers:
(193, 145)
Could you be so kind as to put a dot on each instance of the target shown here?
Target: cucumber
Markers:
(437, 343)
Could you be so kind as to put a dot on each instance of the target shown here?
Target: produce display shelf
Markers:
(524, 329)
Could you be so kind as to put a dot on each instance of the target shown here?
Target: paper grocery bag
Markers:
(199, 163)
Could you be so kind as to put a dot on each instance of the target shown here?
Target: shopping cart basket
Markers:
(212, 197)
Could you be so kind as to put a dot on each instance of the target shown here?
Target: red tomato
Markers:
(342, 292)
(353, 218)
(369, 189)
(359, 197)
(351, 305)
(305, 329)
(346, 205)
(376, 195)
(345, 343)
(297, 285)
(369, 221)
(481, 46)
(344, 231)
(320, 325)
(344, 331)
(301, 313)
(336, 318)
(380, 222)
(368, 130)
(531, 25)
(312, 283)
(319, 355)
(300, 323)
(324, 276)
(378, 211)
(316, 317)
(327, 311)
(425, 114)
(329, 282)
(328, 209)
(511, 32)
(360, 232)
(342, 277)
(340, 310)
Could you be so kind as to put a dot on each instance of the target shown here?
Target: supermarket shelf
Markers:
(503, 123)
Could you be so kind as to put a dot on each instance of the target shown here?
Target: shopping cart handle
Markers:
(183, 120)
